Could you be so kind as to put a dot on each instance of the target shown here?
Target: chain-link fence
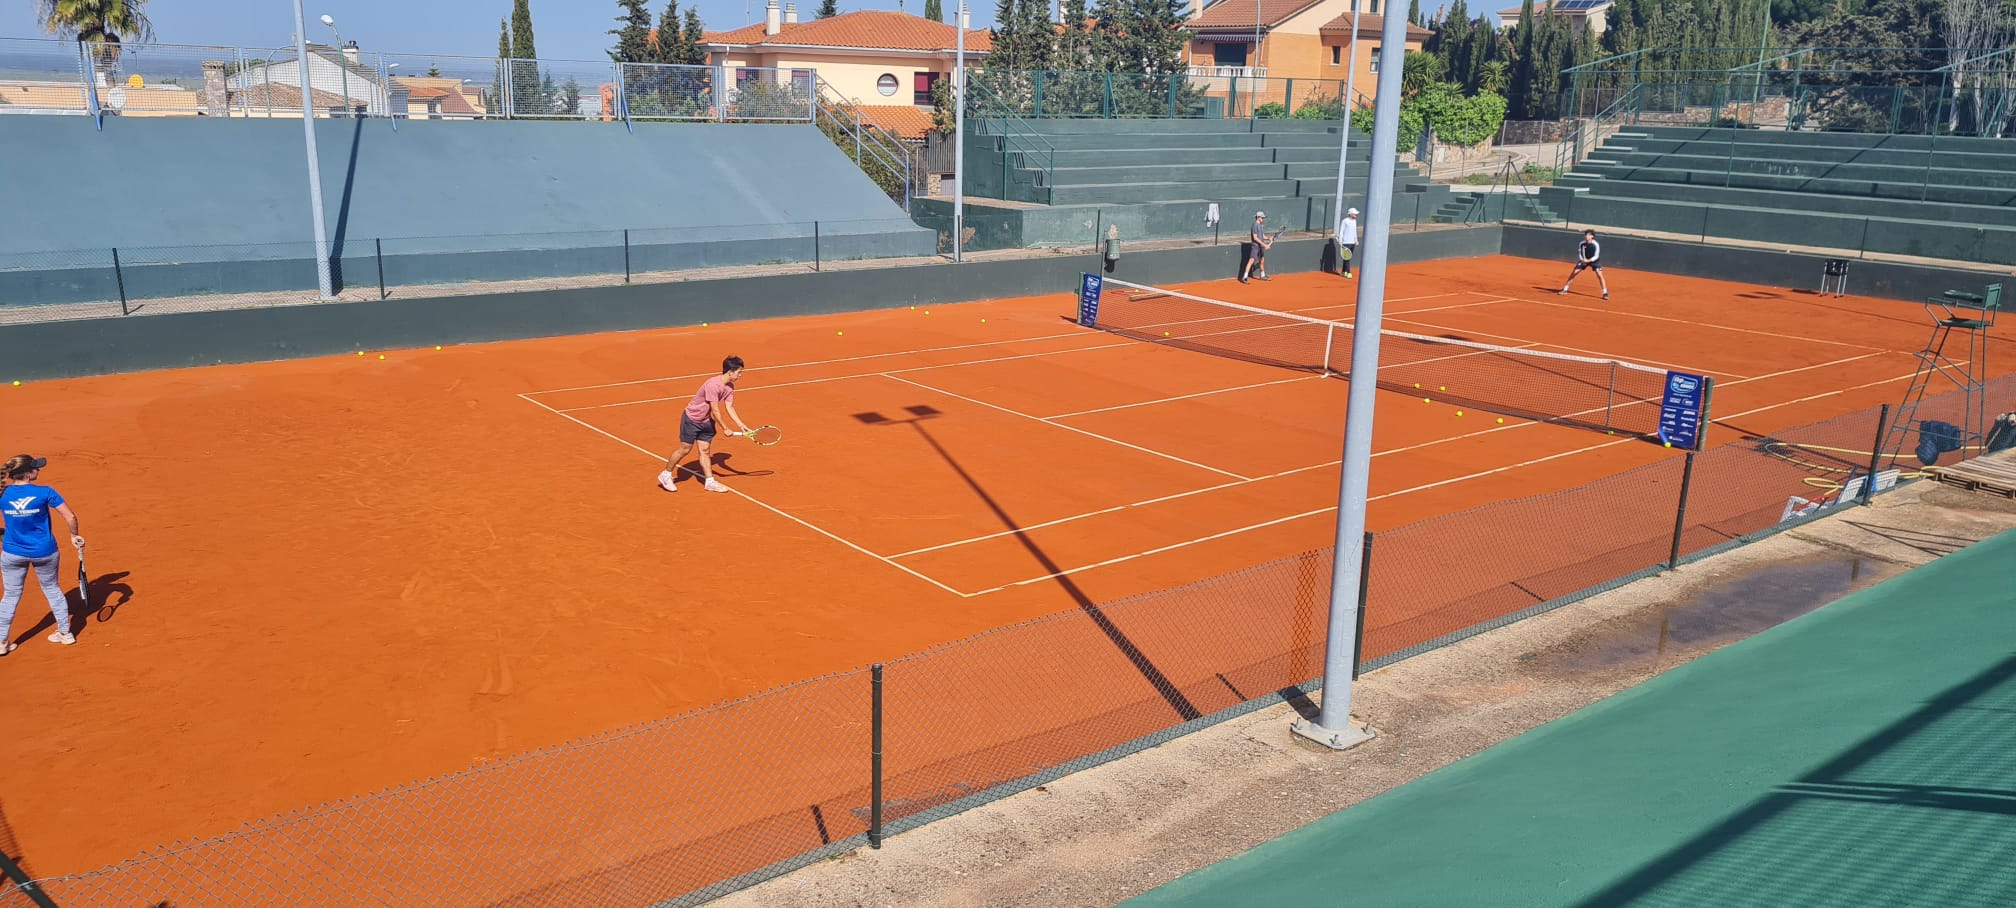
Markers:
(683, 810)
(50, 76)
(90, 283)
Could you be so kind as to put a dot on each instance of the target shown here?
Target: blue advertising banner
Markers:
(1683, 410)
(1088, 300)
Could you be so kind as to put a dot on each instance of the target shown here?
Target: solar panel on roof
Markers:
(1571, 6)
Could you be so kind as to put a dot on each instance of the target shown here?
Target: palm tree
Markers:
(97, 21)
(104, 23)
(1418, 71)
(1494, 76)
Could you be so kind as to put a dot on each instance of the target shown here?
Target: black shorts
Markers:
(690, 431)
(1595, 265)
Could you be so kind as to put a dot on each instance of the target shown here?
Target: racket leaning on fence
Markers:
(762, 435)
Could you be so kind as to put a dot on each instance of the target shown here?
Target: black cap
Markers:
(34, 463)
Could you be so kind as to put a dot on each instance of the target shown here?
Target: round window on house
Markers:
(886, 85)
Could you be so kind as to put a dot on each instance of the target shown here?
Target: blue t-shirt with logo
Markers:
(26, 507)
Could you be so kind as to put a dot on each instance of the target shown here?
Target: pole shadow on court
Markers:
(918, 416)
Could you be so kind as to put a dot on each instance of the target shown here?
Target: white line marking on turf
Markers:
(1683, 321)
(753, 500)
(1149, 403)
(1060, 425)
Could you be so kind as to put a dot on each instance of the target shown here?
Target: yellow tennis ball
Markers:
(17, 383)
(437, 346)
(983, 321)
(1459, 412)
(1417, 384)
(1426, 401)
(927, 312)
(360, 353)
(381, 356)
(839, 333)
(1501, 420)
(1669, 444)
(1442, 388)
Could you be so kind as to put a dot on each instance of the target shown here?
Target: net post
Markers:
(875, 756)
(1610, 396)
(1364, 593)
(1875, 455)
(119, 275)
(1680, 512)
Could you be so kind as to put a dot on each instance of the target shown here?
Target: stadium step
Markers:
(1121, 193)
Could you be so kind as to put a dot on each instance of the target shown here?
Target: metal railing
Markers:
(894, 164)
(49, 76)
(1211, 93)
(1023, 149)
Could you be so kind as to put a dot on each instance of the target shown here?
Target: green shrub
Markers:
(1272, 110)
(1457, 120)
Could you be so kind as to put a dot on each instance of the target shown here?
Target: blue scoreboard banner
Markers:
(1088, 300)
(1683, 410)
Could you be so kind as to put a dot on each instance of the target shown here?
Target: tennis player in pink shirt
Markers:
(697, 425)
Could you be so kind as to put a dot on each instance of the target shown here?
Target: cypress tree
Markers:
(633, 34)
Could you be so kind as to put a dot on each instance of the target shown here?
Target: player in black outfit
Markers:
(1588, 254)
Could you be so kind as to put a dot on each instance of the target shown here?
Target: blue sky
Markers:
(565, 29)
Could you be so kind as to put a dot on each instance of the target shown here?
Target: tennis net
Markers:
(1588, 392)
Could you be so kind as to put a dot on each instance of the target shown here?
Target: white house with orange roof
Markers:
(885, 62)
(1288, 39)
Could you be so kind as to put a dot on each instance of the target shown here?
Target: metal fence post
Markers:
(1862, 250)
(1876, 454)
(1680, 512)
(626, 255)
(378, 244)
(1098, 222)
(119, 275)
(875, 757)
(815, 245)
(1364, 591)
(12, 871)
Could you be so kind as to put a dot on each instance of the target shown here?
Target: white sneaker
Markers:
(665, 481)
(715, 486)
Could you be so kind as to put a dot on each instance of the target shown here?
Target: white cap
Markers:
(1351, 211)
(1259, 214)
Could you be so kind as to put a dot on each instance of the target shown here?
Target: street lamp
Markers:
(342, 64)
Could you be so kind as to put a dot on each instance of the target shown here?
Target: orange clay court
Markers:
(323, 577)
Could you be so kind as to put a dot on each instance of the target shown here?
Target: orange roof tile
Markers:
(1370, 25)
(1233, 14)
(901, 120)
(868, 28)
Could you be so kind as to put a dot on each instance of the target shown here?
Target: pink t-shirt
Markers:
(713, 391)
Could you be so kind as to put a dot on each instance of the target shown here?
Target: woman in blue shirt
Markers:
(25, 505)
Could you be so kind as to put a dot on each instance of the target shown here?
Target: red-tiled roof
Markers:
(868, 28)
(275, 94)
(900, 120)
(1370, 25)
(1233, 14)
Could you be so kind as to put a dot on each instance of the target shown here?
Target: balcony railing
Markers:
(1228, 72)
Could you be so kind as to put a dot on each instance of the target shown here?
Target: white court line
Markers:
(817, 362)
(1595, 353)
(752, 499)
(854, 375)
(1150, 403)
(1685, 321)
(1060, 425)
(1396, 493)
(1409, 311)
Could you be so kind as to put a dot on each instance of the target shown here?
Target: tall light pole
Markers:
(324, 285)
(342, 64)
(1350, 98)
(959, 136)
(1334, 728)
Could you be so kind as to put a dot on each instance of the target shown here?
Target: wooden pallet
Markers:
(1992, 474)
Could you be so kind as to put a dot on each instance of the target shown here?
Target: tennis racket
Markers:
(83, 587)
(1277, 234)
(764, 435)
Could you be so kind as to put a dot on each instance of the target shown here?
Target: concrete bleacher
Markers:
(1945, 197)
(1059, 180)
(221, 206)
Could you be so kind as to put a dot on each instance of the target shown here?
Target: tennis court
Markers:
(490, 568)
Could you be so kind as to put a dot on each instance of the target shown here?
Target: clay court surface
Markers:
(323, 577)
